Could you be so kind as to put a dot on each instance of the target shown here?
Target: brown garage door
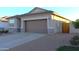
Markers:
(36, 26)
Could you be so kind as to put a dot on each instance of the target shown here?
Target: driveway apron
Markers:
(13, 40)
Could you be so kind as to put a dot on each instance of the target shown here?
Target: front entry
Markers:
(65, 27)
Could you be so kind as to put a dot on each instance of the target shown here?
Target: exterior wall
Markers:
(57, 24)
(60, 19)
(73, 29)
(53, 26)
(18, 21)
(50, 26)
(35, 17)
(54, 23)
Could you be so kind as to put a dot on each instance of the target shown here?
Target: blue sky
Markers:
(71, 13)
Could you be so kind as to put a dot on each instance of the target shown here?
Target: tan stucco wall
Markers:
(36, 16)
(57, 23)
(60, 19)
(54, 24)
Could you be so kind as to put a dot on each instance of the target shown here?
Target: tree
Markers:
(76, 23)
(77, 20)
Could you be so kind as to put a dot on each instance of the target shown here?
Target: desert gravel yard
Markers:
(49, 42)
(8, 41)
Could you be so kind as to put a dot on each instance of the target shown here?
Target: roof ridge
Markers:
(41, 9)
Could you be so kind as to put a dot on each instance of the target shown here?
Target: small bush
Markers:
(4, 31)
(75, 40)
(76, 23)
(68, 48)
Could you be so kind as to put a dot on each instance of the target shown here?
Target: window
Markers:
(12, 21)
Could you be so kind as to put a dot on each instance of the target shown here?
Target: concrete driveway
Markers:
(12, 40)
(49, 42)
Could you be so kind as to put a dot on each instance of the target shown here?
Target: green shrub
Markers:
(6, 31)
(67, 48)
(2, 31)
(76, 23)
(75, 40)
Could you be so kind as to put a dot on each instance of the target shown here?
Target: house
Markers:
(39, 20)
(3, 23)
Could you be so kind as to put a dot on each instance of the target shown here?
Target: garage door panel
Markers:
(36, 26)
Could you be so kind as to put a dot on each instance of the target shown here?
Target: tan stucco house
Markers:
(39, 20)
(3, 23)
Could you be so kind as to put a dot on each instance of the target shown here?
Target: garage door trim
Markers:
(41, 25)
